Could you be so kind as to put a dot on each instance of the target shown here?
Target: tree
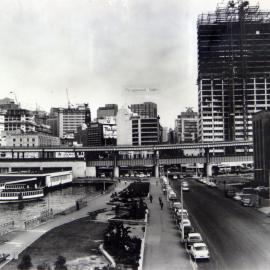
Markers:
(60, 263)
(26, 262)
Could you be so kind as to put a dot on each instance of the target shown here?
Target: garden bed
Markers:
(74, 240)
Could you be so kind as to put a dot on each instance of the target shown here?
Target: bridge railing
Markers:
(5, 228)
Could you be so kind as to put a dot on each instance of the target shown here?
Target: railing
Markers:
(44, 216)
(5, 228)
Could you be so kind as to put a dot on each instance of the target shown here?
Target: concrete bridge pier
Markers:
(156, 171)
(91, 171)
(209, 169)
(116, 171)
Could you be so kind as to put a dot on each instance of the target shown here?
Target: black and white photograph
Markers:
(134, 135)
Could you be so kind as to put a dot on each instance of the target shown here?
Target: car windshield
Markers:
(201, 248)
(194, 238)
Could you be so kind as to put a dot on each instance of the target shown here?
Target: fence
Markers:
(5, 228)
(44, 216)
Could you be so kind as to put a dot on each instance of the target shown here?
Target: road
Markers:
(238, 237)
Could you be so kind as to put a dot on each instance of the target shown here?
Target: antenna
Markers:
(68, 98)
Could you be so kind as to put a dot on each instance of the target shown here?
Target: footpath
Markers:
(163, 249)
(20, 240)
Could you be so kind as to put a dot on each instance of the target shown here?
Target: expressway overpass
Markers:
(157, 147)
(85, 161)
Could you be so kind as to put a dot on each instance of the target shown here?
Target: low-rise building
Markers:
(261, 150)
(30, 139)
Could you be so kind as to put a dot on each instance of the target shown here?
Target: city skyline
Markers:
(98, 49)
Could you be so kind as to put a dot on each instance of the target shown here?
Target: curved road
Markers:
(238, 237)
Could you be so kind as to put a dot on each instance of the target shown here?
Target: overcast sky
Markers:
(98, 48)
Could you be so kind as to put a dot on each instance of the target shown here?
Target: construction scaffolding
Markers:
(234, 54)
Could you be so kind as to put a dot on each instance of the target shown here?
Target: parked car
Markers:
(199, 251)
(102, 175)
(193, 238)
(184, 230)
(175, 177)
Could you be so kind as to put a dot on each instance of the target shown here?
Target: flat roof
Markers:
(16, 179)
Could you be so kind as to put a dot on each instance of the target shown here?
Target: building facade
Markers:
(67, 120)
(31, 140)
(145, 131)
(95, 134)
(233, 70)
(146, 109)
(186, 126)
(124, 127)
(261, 150)
(107, 111)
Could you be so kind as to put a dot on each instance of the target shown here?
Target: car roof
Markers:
(199, 245)
(194, 234)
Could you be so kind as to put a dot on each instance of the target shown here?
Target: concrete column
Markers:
(116, 172)
(209, 169)
(91, 171)
(156, 171)
(9, 169)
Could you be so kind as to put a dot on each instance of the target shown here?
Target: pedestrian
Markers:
(160, 200)
(161, 205)
(164, 191)
(151, 198)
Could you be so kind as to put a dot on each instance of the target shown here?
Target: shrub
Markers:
(26, 262)
(60, 263)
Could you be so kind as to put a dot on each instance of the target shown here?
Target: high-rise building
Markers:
(146, 109)
(95, 134)
(233, 70)
(186, 126)
(107, 111)
(146, 131)
(124, 127)
(261, 142)
(67, 120)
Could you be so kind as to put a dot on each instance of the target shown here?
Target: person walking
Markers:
(161, 205)
(160, 200)
(151, 198)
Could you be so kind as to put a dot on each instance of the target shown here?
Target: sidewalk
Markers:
(163, 249)
(20, 240)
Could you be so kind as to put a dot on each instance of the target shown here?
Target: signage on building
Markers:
(109, 131)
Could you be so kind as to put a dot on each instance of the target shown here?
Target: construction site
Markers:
(233, 70)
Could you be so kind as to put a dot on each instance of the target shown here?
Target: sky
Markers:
(97, 49)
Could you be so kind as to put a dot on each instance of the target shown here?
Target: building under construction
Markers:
(233, 70)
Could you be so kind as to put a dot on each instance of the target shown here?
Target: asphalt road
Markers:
(238, 237)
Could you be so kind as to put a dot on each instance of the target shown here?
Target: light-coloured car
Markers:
(199, 251)
(102, 175)
(193, 238)
(185, 186)
(175, 177)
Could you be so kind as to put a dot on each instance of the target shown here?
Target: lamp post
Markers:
(182, 208)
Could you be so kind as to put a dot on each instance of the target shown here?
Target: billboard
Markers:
(109, 131)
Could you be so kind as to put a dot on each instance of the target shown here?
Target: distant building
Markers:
(8, 104)
(261, 150)
(145, 131)
(124, 127)
(172, 139)
(30, 140)
(165, 136)
(107, 111)
(81, 136)
(95, 134)
(186, 126)
(145, 110)
(67, 120)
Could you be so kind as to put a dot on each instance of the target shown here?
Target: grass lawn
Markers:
(73, 240)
